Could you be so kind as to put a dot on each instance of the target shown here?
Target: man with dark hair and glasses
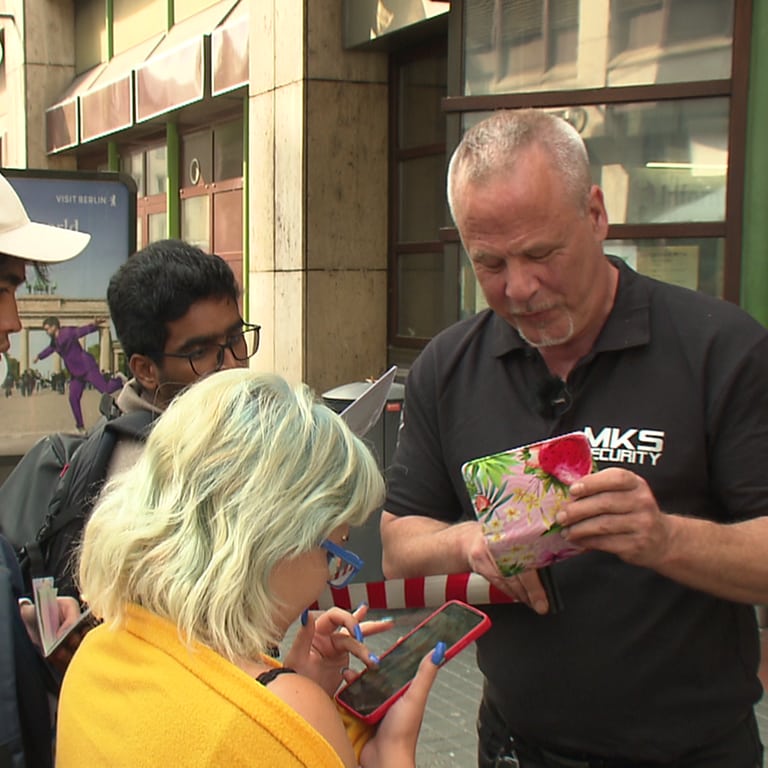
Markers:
(176, 315)
(208, 356)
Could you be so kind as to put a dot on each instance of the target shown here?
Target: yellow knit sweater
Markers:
(139, 697)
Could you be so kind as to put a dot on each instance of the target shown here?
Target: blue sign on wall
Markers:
(102, 204)
(34, 397)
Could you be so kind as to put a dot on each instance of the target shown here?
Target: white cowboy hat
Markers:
(32, 240)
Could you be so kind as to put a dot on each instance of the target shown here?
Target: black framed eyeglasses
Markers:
(342, 564)
(208, 357)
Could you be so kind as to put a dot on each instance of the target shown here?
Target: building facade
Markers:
(306, 142)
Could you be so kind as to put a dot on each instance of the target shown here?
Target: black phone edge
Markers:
(549, 583)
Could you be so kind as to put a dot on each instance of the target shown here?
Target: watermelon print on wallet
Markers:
(517, 494)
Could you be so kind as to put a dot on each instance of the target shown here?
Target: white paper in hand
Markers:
(363, 412)
(47, 612)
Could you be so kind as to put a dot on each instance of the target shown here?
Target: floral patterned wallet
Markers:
(517, 493)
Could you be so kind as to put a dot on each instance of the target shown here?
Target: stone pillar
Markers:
(49, 30)
(318, 195)
(24, 350)
(105, 350)
(39, 63)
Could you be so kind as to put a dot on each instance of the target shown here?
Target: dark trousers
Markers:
(741, 748)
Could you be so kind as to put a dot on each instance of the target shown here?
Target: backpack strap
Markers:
(108, 406)
(71, 503)
(93, 458)
(135, 424)
(32, 559)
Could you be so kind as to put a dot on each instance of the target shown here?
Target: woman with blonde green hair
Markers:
(198, 560)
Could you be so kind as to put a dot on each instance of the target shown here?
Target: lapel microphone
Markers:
(552, 397)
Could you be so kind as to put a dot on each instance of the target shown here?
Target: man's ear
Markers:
(145, 371)
(597, 212)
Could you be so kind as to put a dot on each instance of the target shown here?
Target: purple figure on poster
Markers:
(80, 364)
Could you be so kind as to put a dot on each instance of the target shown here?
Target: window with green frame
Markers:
(659, 96)
(658, 92)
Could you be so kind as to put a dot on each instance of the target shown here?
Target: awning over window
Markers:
(229, 52)
(368, 20)
(107, 105)
(175, 73)
(62, 120)
(160, 74)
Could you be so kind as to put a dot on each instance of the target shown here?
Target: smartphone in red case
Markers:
(374, 691)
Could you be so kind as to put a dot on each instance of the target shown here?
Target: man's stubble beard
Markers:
(546, 340)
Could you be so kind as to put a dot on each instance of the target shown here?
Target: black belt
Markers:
(549, 758)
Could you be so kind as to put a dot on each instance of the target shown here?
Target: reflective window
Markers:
(212, 155)
(513, 45)
(196, 221)
(660, 162)
(157, 171)
(422, 85)
(696, 263)
(157, 227)
(133, 165)
(424, 292)
(228, 151)
(427, 294)
(196, 159)
(471, 300)
(422, 198)
(638, 24)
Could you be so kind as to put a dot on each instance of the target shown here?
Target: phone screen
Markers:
(399, 665)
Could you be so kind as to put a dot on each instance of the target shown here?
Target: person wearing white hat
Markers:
(23, 241)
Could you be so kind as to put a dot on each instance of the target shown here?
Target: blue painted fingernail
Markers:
(439, 653)
(358, 633)
(387, 618)
(364, 604)
(304, 617)
(374, 658)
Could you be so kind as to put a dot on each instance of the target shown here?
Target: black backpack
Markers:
(46, 500)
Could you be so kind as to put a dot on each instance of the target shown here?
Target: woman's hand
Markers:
(394, 745)
(325, 640)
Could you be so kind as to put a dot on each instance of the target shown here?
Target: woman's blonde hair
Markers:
(239, 473)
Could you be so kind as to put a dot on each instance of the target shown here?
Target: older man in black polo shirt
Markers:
(654, 659)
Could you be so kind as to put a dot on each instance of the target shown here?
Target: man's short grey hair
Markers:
(491, 147)
(241, 472)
